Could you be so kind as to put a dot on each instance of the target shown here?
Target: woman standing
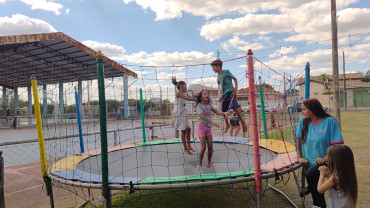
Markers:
(315, 132)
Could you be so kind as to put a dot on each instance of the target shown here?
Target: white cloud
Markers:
(2, 1)
(169, 9)
(237, 43)
(19, 24)
(350, 21)
(209, 81)
(44, 5)
(107, 49)
(283, 51)
(247, 25)
(163, 58)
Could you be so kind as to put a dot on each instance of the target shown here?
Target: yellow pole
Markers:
(39, 127)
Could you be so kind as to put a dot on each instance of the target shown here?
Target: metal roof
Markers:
(52, 58)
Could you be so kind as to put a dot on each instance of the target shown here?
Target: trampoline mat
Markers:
(169, 160)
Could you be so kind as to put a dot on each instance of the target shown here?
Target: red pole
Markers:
(254, 129)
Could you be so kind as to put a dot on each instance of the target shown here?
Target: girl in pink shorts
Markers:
(205, 123)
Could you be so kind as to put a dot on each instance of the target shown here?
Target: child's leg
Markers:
(231, 130)
(237, 111)
(210, 150)
(188, 140)
(202, 150)
(237, 130)
(186, 150)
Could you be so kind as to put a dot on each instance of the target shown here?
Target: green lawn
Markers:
(356, 131)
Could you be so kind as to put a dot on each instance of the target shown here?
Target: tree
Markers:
(367, 77)
(324, 78)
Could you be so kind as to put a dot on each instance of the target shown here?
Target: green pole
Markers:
(263, 109)
(142, 114)
(103, 130)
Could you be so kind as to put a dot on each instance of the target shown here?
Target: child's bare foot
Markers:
(187, 152)
(209, 165)
(191, 149)
(226, 129)
(244, 128)
(199, 165)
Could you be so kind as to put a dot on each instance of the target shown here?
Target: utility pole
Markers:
(344, 83)
(334, 35)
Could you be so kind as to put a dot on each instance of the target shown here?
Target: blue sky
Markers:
(284, 34)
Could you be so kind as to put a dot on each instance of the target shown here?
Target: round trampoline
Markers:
(163, 164)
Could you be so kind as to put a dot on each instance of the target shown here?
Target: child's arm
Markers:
(299, 153)
(236, 85)
(219, 113)
(182, 95)
(202, 116)
(322, 185)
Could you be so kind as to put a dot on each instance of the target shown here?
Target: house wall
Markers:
(316, 91)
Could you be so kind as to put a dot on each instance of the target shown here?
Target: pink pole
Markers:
(254, 128)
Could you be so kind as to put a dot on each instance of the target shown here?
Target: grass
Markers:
(355, 130)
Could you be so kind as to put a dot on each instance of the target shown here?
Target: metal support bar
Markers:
(29, 99)
(44, 100)
(125, 97)
(2, 198)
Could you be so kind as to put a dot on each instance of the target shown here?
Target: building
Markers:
(358, 91)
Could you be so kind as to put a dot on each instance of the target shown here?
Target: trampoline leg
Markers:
(88, 199)
(282, 193)
(258, 200)
(300, 188)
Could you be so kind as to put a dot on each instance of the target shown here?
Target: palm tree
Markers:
(324, 78)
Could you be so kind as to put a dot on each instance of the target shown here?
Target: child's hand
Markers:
(324, 171)
(234, 91)
(216, 125)
(225, 114)
(220, 99)
(320, 161)
(302, 160)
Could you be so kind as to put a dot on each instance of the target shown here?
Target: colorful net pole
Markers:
(40, 136)
(142, 114)
(103, 131)
(307, 82)
(79, 121)
(262, 109)
(254, 130)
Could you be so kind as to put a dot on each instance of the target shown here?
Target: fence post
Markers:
(254, 130)
(2, 199)
(115, 137)
(103, 131)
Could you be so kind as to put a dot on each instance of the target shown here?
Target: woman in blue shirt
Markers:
(315, 132)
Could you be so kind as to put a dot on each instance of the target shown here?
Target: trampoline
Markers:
(162, 164)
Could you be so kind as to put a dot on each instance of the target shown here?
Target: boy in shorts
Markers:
(228, 98)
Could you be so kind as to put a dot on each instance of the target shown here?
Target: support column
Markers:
(61, 100)
(29, 99)
(4, 96)
(307, 82)
(79, 91)
(44, 101)
(125, 97)
(16, 100)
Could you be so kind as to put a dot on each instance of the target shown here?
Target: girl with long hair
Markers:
(341, 177)
(179, 117)
(316, 132)
(204, 126)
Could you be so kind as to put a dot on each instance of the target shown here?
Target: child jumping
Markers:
(204, 126)
(341, 175)
(179, 118)
(228, 98)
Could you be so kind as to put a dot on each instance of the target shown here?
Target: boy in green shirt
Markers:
(228, 98)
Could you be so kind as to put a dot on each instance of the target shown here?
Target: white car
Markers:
(258, 108)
